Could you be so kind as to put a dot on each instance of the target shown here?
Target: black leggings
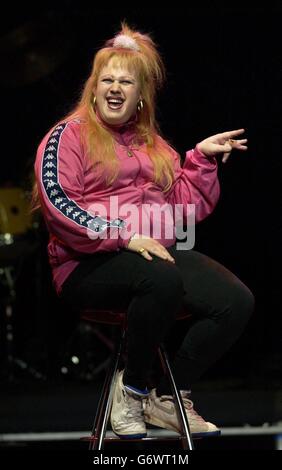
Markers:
(153, 292)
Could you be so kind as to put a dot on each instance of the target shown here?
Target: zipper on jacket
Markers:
(130, 153)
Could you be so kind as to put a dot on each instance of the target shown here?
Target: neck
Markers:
(116, 127)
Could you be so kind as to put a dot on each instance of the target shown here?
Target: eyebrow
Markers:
(127, 77)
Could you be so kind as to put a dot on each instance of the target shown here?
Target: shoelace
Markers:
(188, 404)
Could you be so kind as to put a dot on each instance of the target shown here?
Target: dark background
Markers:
(223, 72)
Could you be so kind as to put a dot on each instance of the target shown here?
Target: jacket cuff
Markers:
(124, 238)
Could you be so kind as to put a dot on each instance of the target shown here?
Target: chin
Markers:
(115, 120)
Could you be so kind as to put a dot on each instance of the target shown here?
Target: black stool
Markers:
(98, 436)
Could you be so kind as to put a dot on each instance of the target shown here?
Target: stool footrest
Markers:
(152, 435)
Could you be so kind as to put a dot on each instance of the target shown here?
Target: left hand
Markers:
(223, 143)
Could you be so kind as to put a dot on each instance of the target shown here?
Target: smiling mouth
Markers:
(115, 103)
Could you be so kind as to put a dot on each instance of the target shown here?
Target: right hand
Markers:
(138, 243)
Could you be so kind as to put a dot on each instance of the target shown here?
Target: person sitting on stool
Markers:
(99, 173)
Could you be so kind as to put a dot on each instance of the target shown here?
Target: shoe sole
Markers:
(206, 434)
(131, 436)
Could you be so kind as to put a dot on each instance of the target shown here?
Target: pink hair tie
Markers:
(125, 42)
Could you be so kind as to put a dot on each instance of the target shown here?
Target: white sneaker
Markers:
(127, 415)
(160, 411)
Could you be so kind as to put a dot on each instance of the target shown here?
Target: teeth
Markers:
(115, 101)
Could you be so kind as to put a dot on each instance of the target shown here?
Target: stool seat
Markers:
(117, 317)
(109, 317)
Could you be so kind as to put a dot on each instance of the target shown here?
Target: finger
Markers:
(237, 143)
(170, 258)
(162, 254)
(167, 256)
(146, 255)
(228, 134)
(232, 134)
(222, 148)
(225, 157)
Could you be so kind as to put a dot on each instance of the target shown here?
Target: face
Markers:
(117, 94)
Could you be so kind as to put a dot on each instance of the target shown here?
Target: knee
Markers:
(242, 304)
(248, 302)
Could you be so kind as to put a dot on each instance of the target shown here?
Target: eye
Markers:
(127, 82)
(107, 80)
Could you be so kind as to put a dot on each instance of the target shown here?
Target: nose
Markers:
(115, 87)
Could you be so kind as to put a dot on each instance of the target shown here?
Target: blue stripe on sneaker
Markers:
(137, 391)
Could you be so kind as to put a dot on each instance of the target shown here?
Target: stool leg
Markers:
(187, 442)
(105, 402)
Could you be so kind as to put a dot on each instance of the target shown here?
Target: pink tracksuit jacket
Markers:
(85, 216)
